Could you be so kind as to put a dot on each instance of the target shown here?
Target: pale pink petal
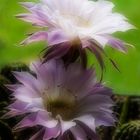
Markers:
(88, 120)
(117, 44)
(35, 37)
(13, 87)
(78, 133)
(27, 5)
(56, 37)
(52, 132)
(34, 19)
(28, 80)
(38, 135)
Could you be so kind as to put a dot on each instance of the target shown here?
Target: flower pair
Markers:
(61, 96)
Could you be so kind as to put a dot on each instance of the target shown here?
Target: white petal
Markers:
(92, 19)
(100, 39)
(88, 120)
(66, 125)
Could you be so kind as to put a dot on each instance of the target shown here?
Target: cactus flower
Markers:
(65, 102)
(75, 24)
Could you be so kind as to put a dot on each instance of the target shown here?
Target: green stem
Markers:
(124, 112)
(123, 116)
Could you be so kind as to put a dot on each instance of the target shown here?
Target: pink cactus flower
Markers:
(67, 24)
(63, 101)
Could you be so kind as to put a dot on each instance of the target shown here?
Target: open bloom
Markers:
(83, 23)
(66, 102)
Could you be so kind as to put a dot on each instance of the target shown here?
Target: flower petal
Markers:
(38, 36)
(88, 120)
(90, 133)
(117, 44)
(34, 19)
(78, 133)
(27, 5)
(52, 132)
(38, 118)
(56, 37)
(38, 135)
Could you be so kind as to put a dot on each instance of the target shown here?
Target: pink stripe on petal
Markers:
(52, 132)
(65, 125)
(85, 43)
(78, 133)
(56, 37)
(88, 120)
(59, 51)
(17, 108)
(18, 105)
(117, 44)
(24, 77)
(13, 87)
(38, 36)
(90, 133)
(104, 119)
(37, 118)
(27, 5)
(28, 80)
(28, 121)
(34, 19)
(38, 135)
(10, 114)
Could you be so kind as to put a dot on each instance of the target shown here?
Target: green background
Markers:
(12, 31)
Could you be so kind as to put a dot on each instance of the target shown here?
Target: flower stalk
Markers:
(125, 111)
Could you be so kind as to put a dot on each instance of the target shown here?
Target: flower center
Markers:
(70, 20)
(77, 20)
(63, 105)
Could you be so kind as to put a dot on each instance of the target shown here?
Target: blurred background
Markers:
(125, 82)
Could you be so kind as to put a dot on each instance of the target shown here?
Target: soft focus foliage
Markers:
(12, 31)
